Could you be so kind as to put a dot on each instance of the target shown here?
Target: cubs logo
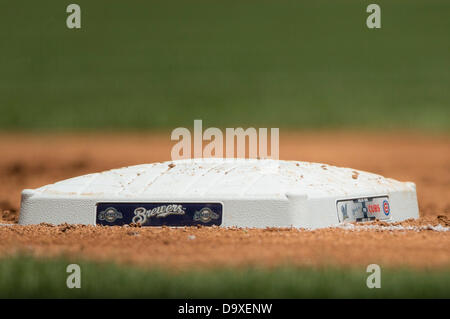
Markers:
(110, 215)
(205, 215)
(363, 209)
(373, 208)
(386, 208)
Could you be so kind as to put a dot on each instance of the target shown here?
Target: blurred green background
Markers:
(280, 63)
(28, 277)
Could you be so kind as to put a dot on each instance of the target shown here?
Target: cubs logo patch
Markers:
(386, 208)
(363, 209)
(159, 214)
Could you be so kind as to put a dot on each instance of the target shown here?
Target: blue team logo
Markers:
(159, 214)
(386, 208)
(205, 215)
(110, 215)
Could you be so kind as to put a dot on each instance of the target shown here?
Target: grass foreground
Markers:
(26, 277)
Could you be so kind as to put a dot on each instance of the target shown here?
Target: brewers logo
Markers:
(205, 215)
(110, 215)
(159, 213)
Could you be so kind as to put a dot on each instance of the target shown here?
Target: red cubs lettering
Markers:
(374, 208)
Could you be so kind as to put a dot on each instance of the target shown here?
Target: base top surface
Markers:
(225, 177)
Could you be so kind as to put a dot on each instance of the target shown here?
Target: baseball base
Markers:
(222, 192)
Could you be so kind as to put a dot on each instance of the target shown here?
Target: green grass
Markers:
(40, 278)
(266, 63)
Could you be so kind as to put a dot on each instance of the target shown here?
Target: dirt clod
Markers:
(444, 220)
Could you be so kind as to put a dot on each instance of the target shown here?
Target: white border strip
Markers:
(353, 227)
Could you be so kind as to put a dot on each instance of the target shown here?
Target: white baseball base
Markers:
(233, 192)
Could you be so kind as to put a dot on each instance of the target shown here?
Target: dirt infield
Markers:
(30, 161)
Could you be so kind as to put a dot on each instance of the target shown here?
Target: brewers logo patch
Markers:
(109, 215)
(205, 215)
(159, 214)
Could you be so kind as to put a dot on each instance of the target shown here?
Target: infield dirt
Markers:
(33, 160)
